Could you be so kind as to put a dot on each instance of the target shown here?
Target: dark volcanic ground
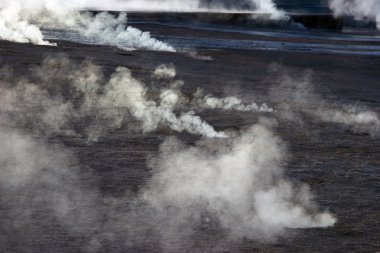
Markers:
(341, 166)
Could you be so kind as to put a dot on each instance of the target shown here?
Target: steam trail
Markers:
(105, 104)
(64, 94)
(227, 103)
(297, 95)
(125, 92)
(360, 9)
(21, 21)
(202, 101)
(105, 29)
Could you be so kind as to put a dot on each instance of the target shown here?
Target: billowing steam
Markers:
(64, 94)
(269, 7)
(238, 197)
(22, 20)
(40, 186)
(123, 91)
(14, 26)
(360, 9)
(105, 29)
(236, 184)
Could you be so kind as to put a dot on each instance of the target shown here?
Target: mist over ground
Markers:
(236, 184)
(140, 135)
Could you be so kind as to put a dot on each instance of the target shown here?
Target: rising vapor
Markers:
(200, 100)
(367, 10)
(297, 95)
(23, 21)
(236, 183)
(105, 103)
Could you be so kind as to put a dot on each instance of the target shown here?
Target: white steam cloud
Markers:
(125, 92)
(237, 183)
(22, 20)
(269, 7)
(360, 9)
(105, 29)
(66, 94)
(14, 27)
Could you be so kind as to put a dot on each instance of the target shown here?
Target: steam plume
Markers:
(132, 95)
(48, 104)
(104, 28)
(14, 27)
(360, 9)
(236, 183)
(21, 21)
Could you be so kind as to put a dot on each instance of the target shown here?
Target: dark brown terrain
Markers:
(341, 166)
